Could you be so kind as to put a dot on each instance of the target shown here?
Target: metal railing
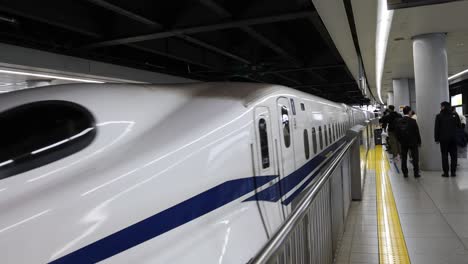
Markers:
(306, 235)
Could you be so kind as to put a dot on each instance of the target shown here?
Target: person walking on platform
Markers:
(390, 121)
(462, 117)
(461, 136)
(407, 133)
(445, 133)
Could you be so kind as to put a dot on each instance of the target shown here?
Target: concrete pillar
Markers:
(401, 95)
(430, 72)
(390, 98)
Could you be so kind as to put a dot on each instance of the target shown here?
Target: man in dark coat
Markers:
(390, 121)
(407, 133)
(445, 133)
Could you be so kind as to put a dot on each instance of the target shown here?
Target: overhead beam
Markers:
(139, 18)
(200, 29)
(214, 7)
(217, 8)
(266, 42)
(318, 67)
(173, 55)
(82, 23)
(126, 13)
(221, 11)
(214, 49)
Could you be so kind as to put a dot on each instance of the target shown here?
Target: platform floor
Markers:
(432, 212)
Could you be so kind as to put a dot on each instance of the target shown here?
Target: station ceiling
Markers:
(448, 17)
(272, 41)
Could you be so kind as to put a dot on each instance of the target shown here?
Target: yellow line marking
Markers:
(392, 245)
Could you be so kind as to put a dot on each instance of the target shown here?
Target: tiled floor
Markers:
(359, 243)
(433, 214)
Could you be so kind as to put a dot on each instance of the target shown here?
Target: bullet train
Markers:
(192, 173)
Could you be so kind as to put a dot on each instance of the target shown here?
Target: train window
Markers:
(285, 122)
(334, 131)
(263, 134)
(36, 134)
(337, 133)
(314, 140)
(326, 134)
(329, 133)
(302, 107)
(320, 138)
(306, 144)
(332, 136)
(293, 107)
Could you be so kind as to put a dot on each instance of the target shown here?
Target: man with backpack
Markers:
(445, 132)
(407, 133)
(390, 120)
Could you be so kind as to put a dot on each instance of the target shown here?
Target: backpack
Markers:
(402, 129)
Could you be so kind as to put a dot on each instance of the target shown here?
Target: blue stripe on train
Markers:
(165, 221)
(285, 185)
(197, 206)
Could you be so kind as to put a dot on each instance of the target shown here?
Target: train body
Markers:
(193, 173)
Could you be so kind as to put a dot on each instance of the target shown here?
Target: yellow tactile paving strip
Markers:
(392, 246)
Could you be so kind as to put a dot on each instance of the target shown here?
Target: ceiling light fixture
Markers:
(50, 76)
(458, 75)
(384, 21)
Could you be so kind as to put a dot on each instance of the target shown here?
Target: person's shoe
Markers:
(405, 175)
(417, 175)
(453, 174)
(445, 175)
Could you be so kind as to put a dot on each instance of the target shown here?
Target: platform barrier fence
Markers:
(311, 232)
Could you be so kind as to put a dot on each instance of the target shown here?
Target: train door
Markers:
(286, 141)
(266, 164)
